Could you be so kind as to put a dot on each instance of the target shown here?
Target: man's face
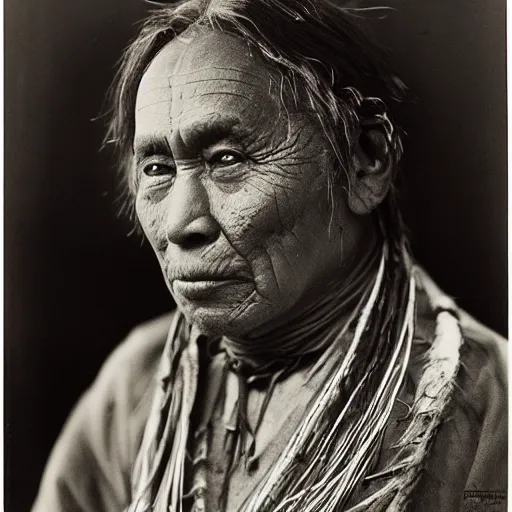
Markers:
(233, 187)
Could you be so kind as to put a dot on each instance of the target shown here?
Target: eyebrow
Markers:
(211, 130)
(201, 135)
(149, 145)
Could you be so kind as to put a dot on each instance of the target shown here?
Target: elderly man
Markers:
(311, 365)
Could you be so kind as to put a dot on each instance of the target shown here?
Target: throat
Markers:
(306, 334)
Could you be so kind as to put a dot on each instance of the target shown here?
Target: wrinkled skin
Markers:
(233, 188)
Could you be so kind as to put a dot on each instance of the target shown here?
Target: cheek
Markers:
(151, 216)
(276, 225)
(252, 215)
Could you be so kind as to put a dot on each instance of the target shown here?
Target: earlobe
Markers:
(371, 170)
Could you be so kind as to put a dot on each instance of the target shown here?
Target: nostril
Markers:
(194, 240)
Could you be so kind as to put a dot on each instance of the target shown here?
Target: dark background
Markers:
(75, 283)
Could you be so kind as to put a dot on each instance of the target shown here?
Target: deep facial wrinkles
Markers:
(269, 206)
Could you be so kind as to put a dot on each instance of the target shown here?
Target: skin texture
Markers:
(233, 189)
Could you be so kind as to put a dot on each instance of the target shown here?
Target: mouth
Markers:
(201, 288)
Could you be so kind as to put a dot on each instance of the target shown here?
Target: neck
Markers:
(313, 325)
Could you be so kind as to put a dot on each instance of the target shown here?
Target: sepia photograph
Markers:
(255, 256)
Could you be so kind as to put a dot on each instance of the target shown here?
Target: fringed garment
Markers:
(328, 461)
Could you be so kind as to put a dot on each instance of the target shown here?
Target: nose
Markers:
(189, 223)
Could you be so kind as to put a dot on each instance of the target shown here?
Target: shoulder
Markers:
(481, 398)
(480, 389)
(123, 390)
(132, 366)
(492, 346)
(120, 398)
(90, 465)
(470, 448)
(483, 354)
(484, 364)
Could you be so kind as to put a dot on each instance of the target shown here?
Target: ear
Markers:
(371, 170)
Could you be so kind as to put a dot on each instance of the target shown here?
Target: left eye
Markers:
(226, 158)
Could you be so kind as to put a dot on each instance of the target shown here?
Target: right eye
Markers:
(158, 169)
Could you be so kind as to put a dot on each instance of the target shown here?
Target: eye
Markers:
(158, 169)
(226, 158)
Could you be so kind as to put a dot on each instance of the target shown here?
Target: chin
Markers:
(215, 320)
(232, 309)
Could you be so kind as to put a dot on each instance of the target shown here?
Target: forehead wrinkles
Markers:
(187, 54)
(207, 87)
(153, 96)
(210, 73)
(186, 97)
(204, 91)
(215, 79)
(153, 93)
